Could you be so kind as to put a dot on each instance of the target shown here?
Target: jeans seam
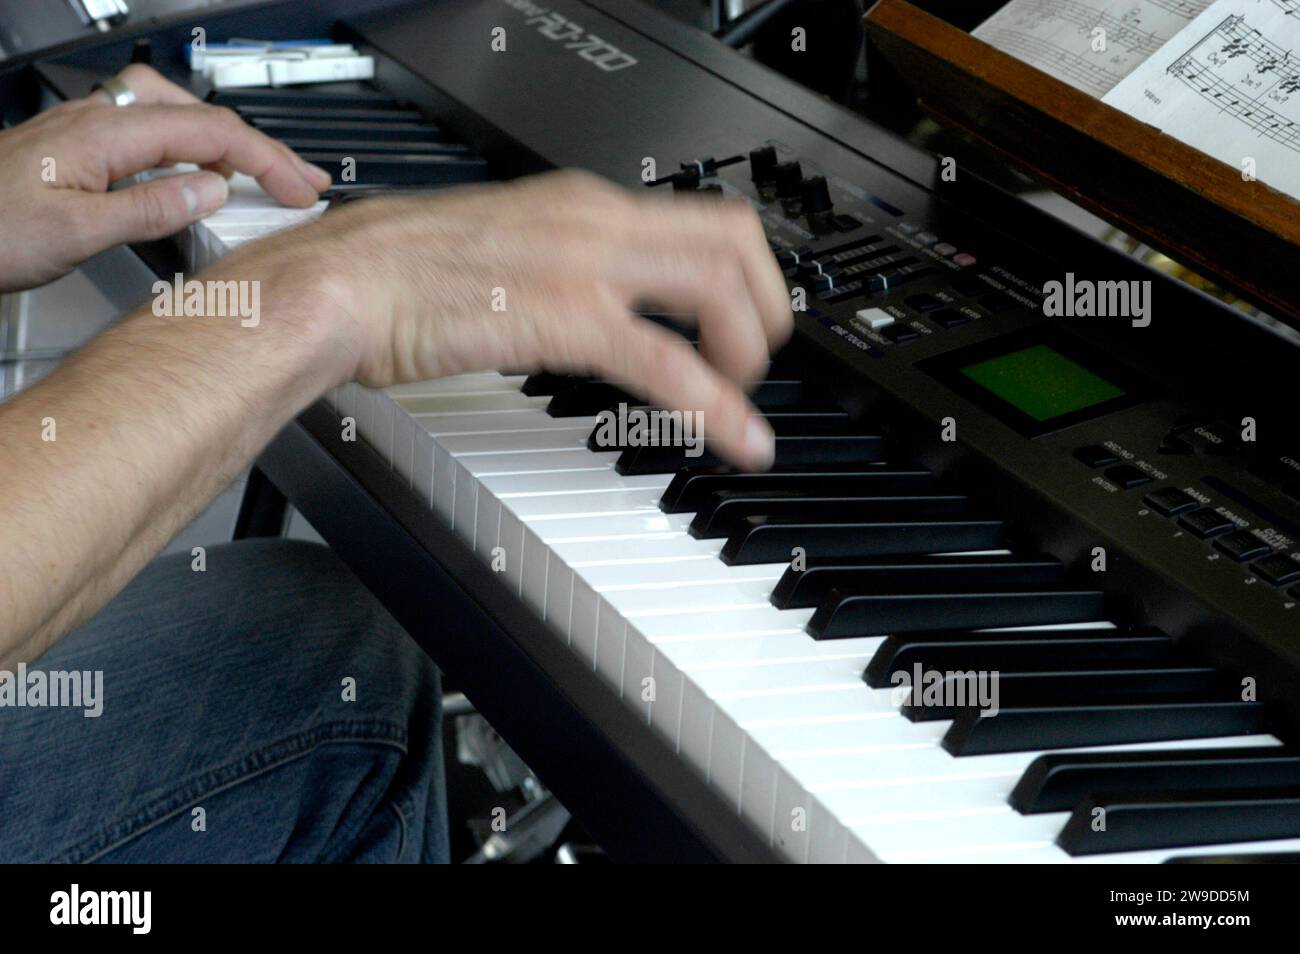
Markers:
(401, 828)
(256, 763)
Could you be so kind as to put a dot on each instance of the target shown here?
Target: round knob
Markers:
(762, 164)
(816, 195)
(789, 180)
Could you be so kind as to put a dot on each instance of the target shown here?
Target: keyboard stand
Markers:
(624, 784)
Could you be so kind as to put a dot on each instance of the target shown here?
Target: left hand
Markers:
(54, 200)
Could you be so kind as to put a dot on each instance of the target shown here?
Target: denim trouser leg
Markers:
(271, 691)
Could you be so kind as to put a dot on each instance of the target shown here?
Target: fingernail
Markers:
(204, 193)
(760, 443)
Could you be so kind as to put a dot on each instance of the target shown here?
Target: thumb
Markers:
(158, 207)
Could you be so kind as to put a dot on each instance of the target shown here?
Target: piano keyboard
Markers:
(804, 735)
(365, 141)
(671, 579)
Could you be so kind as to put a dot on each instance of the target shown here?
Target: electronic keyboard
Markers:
(1019, 588)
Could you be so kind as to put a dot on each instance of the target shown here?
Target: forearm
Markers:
(149, 423)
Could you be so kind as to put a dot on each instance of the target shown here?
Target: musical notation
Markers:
(1247, 77)
(1229, 85)
(1090, 44)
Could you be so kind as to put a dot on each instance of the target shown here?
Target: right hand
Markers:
(410, 284)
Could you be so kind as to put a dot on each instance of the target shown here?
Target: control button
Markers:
(926, 238)
(1219, 438)
(1128, 476)
(923, 302)
(1277, 569)
(1170, 501)
(847, 223)
(997, 302)
(898, 333)
(876, 318)
(1207, 522)
(908, 228)
(964, 259)
(1242, 545)
(949, 317)
(1094, 455)
(943, 248)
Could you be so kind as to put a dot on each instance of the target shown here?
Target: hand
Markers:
(544, 272)
(54, 202)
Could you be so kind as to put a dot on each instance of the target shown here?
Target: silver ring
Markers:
(117, 91)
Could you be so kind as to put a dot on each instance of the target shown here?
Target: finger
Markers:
(151, 88)
(142, 137)
(734, 224)
(657, 364)
(149, 210)
(700, 278)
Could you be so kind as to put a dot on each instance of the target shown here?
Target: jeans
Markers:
(265, 709)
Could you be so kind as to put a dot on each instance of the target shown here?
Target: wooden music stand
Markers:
(1188, 205)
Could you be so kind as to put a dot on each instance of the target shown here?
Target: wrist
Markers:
(307, 314)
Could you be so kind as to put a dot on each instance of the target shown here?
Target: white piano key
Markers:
(473, 383)
(511, 426)
(510, 537)
(464, 503)
(584, 619)
(572, 485)
(530, 507)
(534, 572)
(611, 642)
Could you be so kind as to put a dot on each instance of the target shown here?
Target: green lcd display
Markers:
(1041, 382)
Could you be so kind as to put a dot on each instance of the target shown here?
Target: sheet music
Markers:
(1058, 36)
(1230, 87)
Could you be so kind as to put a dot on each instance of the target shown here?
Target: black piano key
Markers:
(398, 169)
(1056, 650)
(544, 382)
(792, 450)
(773, 396)
(761, 540)
(784, 423)
(1138, 821)
(723, 512)
(343, 192)
(879, 614)
(330, 112)
(307, 98)
(692, 486)
(811, 585)
(1058, 781)
(301, 144)
(1020, 690)
(588, 398)
(1059, 727)
(345, 132)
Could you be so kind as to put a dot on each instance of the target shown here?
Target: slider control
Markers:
(688, 178)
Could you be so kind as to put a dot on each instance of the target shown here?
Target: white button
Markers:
(876, 318)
